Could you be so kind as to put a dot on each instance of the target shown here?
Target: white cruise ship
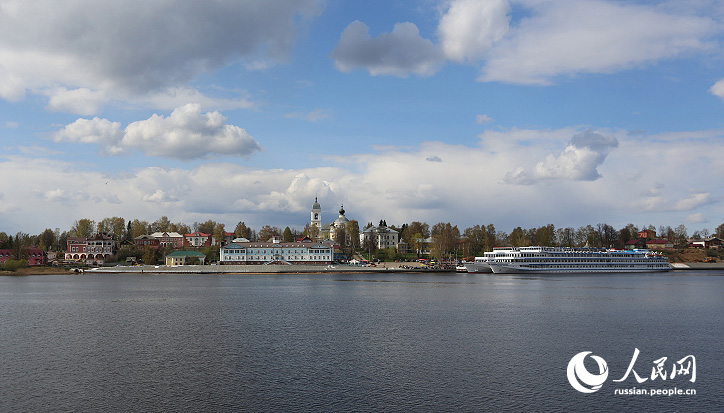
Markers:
(479, 265)
(563, 260)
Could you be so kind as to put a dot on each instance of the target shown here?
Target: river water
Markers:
(357, 342)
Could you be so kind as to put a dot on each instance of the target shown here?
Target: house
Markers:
(711, 242)
(182, 257)
(169, 239)
(97, 248)
(147, 241)
(659, 244)
(636, 243)
(197, 240)
(647, 234)
(35, 256)
(381, 236)
(276, 252)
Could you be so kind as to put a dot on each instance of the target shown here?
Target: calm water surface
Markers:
(353, 342)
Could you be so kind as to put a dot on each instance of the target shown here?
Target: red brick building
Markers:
(35, 257)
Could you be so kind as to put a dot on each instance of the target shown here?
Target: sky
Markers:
(510, 112)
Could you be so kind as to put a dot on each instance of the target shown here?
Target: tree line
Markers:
(443, 238)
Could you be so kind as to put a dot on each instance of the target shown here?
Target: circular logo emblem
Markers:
(581, 379)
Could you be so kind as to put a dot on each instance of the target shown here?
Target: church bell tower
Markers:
(316, 215)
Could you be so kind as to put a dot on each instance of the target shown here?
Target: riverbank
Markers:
(278, 269)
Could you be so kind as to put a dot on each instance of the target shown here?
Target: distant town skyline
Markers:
(516, 113)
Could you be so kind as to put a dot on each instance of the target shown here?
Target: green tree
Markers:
(267, 232)
(149, 256)
(287, 235)
(219, 234)
(83, 228)
(114, 226)
(162, 224)
(19, 246)
(241, 231)
(47, 238)
(138, 228)
(352, 234)
(206, 227)
(445, 238)
(518, 238)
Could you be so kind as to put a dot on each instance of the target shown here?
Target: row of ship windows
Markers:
(575, 261)
(569, 255)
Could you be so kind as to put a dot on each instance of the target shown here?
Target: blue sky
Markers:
(514, 113)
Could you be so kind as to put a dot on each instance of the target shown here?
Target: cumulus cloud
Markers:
(421, 190)
(692, 202)
(313, 116)
(483, 119)
(718, 89)
(185, 134)
(470, 27)
(591, 36)
(545, 40)
(399, 53)
(93, 46)
(578, 161)
(433, 158)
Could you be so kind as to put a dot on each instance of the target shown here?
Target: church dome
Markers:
(316, 204)
(341, 219)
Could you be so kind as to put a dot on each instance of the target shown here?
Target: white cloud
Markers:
(313, 116)
(113, 49)
(82, 101)
(692, 202)
(578, 161)
(483, 119)
(470, 27)
(718, 89)
(185, 134)
(590, 36)
(697, 218)
(546, 40)
(467, 191)
(398, 53)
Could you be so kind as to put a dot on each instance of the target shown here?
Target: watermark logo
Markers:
(581, 379)
(586, 382)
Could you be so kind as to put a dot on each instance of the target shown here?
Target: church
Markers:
(328, 231)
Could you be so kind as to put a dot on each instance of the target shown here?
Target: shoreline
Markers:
(279, 269)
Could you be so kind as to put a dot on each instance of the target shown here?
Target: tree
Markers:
(311, 231)
(422, 228)
(149, 256)
(162, 224)
(267, 232)
(83, 228)
(545, 236)
(444, 239)
(47, 238)
(719, 231)
(138, 228)
(565, 237)
(206, 227)
(219, 234)
(475, 238)
(241, 231)
(352, 234)
(518, 238)
(19, 247)
(114, 227)
(681, 235)
(287, 235)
